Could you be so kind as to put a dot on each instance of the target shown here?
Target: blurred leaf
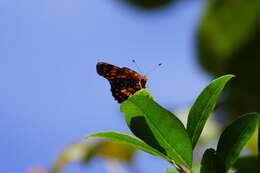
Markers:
(225, 28)
(203, 107)
(247, 164)
(210, 162)
(228, 42)
(85, 152)
(127, 139)
(73, 153)
(234, 137)
(149, 4)
(114, 150)
(164, 125)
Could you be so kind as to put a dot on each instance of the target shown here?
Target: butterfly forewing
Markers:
(124, 81)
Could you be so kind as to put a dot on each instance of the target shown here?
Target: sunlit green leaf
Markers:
(138, 124)
(204, 106)
(164, 127)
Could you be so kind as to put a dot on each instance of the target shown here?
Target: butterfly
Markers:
(124, 81)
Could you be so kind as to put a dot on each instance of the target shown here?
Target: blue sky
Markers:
(50, 94)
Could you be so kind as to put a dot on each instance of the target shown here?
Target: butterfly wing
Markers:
(124, 81)
(106, 70)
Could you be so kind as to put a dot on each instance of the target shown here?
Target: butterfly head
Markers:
(143, 81)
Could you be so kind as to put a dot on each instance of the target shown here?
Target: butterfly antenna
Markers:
(138, 68)
(153, 69)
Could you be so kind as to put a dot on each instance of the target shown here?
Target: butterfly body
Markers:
(124, 81)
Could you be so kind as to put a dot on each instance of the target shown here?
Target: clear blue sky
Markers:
(50, 94)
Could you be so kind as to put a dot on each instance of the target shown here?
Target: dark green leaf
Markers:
(127, 139)
(247, 165)
(166, 128)
(210, 163)
(204, 106)
(234, 137)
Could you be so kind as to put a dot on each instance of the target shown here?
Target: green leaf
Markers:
(127, 139)
(235, 136)
(203, 107)
(138, 124)
(210, 162)
(247, 164)
(163, 126)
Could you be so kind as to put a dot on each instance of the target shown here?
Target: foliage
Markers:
(160, 133)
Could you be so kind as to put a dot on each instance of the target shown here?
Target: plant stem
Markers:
(180, 169)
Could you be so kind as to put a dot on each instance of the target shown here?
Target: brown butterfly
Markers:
(124, 81)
